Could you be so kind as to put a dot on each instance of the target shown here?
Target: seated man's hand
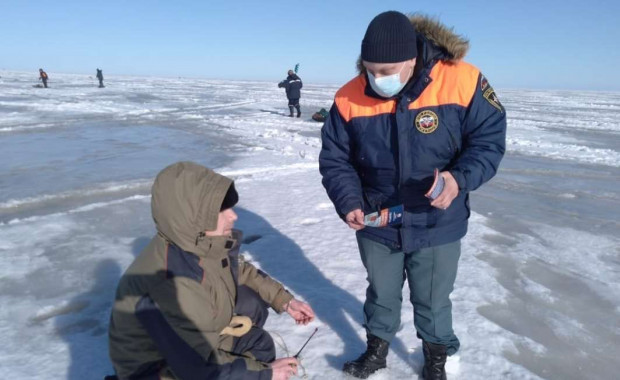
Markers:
(301, 312)
(283, 369)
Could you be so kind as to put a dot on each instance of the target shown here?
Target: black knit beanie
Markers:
(390, 38)
(231, 198)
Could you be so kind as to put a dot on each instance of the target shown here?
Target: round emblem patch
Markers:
(426, 121)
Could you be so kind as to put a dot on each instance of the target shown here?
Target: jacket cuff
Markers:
(266, 374)
(460, 179)
(281, 299)
(350, 206)
(253, 365)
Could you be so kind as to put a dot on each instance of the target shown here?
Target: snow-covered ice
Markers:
(538, 289)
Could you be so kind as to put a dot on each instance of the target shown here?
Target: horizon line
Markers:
(509, 88)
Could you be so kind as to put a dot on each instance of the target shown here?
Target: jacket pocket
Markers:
(373, 200)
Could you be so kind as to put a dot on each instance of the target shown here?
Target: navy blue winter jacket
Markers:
(292, 84)
(381, 152)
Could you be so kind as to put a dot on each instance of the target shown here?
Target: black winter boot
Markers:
(291, 108)
(298, 110)
(371, 360)
(434, 361)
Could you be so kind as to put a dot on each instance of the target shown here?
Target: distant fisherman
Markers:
(292, 84)
(100, 77)
(43, 77)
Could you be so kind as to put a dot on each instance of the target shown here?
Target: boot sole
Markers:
(352, 371)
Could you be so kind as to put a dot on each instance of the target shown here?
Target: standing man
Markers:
(43, 77)
(292, 84)
(100, 77)
(414, 107)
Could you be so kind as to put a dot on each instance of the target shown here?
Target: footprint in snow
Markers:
(54, 311)
(324, 206)
(309, 221)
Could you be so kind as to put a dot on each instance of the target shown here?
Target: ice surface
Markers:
(537, 292)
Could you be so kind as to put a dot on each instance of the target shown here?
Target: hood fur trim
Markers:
(442, 36)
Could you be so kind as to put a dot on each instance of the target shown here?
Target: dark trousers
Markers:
(294, 104)
(430, 273)
(100, 83)
(44, 82)
(184, 362)
(257, 341)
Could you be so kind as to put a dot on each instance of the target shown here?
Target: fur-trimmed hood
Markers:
(435, 41)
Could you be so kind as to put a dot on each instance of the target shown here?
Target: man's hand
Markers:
(450, 191)
(283, 368)
(301, 312)
(355, 219)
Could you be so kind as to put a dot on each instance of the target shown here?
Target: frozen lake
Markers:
(538, 289)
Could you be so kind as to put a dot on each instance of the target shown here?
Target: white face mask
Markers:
(386, 86)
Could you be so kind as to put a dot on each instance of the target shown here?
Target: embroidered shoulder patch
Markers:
(427, 121)
(492, 98)
(484, 83)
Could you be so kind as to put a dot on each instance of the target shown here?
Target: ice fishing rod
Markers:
(302, 347)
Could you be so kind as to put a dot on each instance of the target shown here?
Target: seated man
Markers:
(174, 307)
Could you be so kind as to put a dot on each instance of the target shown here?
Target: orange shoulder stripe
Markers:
(452, 84)
(352, 102)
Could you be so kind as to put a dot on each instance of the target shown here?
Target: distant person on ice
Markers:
(292, 84)
(189, 306)
(43, 77)
(100, 77)
(414, 107)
